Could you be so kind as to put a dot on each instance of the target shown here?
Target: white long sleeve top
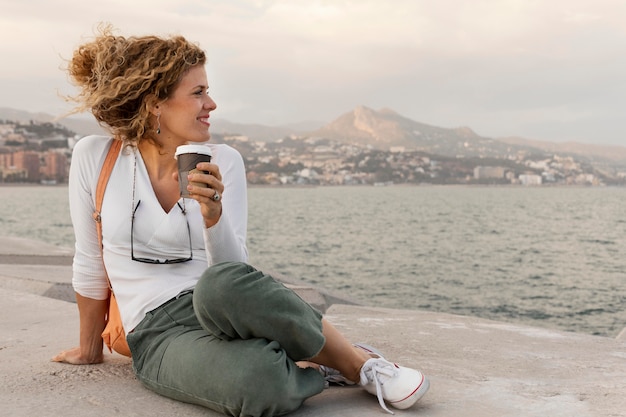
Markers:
(141, 287)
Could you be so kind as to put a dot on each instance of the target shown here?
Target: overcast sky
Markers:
(541, 69)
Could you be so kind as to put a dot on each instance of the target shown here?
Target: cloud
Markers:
(553, 70)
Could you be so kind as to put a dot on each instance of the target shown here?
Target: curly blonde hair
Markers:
(121, 79)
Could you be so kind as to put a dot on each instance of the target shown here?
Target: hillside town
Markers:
(318, 161)
(38, 152)
(34, 152)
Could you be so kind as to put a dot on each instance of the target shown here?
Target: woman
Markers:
(200, 322)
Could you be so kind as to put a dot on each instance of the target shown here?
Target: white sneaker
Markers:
(400, 387)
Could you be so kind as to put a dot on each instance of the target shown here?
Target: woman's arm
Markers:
(225, 235)
(92, 322)
(88, 273)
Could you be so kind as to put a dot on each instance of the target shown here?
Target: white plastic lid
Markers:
(201, 149)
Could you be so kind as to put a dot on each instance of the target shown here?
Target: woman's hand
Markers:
(92, 314)
(74, 356)
(209, 197)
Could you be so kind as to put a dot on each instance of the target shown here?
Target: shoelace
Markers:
(371, 372)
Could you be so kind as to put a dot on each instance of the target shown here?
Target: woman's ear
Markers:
(153, 105)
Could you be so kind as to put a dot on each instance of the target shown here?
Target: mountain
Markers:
(22, 116)
(385, 128)
(590, 151)
(81, 124)
(381, 129)
(83, 127)
(258, 132)
(85, 124)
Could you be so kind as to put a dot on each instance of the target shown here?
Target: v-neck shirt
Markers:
(141, 287)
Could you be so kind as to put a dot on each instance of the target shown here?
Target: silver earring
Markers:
(158, 129)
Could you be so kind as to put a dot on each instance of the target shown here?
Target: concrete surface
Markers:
(476, 367)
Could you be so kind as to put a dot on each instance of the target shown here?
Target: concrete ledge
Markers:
(622, 335)
(55, 282)
(49, 273)
(477, 367)
(10, 245)
(34, 386)
(65, 260)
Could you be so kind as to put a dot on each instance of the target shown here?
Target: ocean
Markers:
(551, 257)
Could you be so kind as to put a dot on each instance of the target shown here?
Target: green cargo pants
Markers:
(231, 345)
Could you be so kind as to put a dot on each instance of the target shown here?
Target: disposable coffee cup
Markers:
(188, 156)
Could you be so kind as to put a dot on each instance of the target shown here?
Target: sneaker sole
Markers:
(413, 397)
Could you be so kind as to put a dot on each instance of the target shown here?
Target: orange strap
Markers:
(103, 180)
(105, 173)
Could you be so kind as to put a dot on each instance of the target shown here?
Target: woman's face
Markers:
(185, 114)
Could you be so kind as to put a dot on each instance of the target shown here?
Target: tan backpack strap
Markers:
(105, 173)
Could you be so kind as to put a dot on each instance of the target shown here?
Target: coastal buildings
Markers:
(41, 153)
(33, 153)
(30, 166)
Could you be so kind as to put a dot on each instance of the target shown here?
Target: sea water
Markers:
(547, 256)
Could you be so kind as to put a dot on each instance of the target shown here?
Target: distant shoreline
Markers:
(30, 184)
(305, 186)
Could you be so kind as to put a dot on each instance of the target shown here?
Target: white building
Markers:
(530, 179)
(481, 172)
